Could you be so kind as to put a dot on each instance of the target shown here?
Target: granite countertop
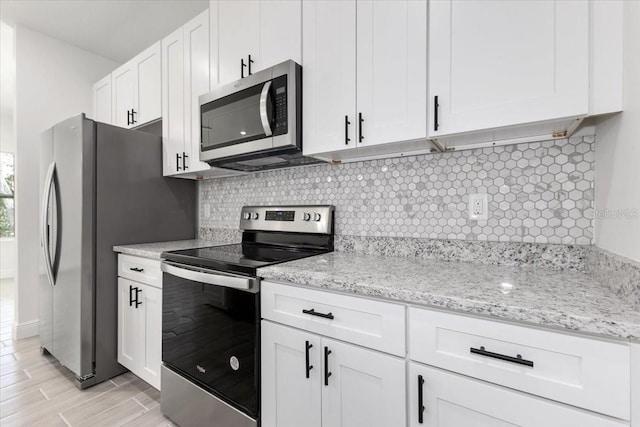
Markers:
(155, 250)
(563, 299)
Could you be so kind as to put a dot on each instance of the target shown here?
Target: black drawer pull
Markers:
(309, 367)
(420, 400)
(436, 105)
(327, 374)
(136, 269)
(313, 312)
(360, 120)
(518, 359)
(130, 296)
(346, 130)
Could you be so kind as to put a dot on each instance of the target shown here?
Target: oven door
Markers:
(210, 332)
(238, 123)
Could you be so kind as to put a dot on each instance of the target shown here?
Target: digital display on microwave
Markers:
(280, 90)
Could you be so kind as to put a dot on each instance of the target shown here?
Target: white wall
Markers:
(53, 82)
(618, 155)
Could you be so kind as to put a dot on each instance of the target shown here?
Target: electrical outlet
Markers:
(478, 207)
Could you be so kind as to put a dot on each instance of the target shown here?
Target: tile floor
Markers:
(35, 390)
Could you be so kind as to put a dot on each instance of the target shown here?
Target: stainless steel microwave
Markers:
(255, 122)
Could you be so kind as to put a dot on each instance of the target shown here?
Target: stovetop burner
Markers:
(241, 257)
(271, 235)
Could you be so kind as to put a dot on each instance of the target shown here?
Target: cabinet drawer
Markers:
(451, 400)
(141, 270)
(374, 324)
(583, 372)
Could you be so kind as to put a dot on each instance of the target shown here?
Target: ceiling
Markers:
(114, 29)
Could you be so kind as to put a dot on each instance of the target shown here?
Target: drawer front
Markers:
(374, 324)
(451, 400)
(141, 270)
(584, 372)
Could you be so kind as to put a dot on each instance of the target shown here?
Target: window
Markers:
(7, 205)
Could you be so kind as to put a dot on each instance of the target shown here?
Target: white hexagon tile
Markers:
(538, 193)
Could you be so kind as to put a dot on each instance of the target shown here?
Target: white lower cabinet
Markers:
(140, 329)
(309, 380)
(450, 400)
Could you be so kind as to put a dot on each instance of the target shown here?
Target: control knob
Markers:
(316, 216)
(247, 215)
(255, 215)
(306, 216)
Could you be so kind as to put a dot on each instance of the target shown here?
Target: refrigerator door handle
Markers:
(44, 237)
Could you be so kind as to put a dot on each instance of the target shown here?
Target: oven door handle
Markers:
(264, 114)
(208, 277)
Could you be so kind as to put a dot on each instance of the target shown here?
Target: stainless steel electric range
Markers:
(211, 314)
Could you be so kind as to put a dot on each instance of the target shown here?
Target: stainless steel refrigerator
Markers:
(100, 186)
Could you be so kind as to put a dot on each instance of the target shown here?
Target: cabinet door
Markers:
(128, 325)
(122, 102)
(280, 32)
(329, 83)
(364, 388)
(150, 335)
(196, 83)
(173, 132)
(238, 37)
(451, 400)
(289, 398)
(102, 100)
(148, 85)
(502, 63)
(392, 70)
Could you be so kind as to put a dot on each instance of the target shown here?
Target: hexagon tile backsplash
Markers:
(539, 192)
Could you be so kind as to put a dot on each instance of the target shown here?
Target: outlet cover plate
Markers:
(478, 207)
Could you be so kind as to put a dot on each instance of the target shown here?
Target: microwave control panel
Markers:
(280, 105)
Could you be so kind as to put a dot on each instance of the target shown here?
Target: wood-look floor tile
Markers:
(13, 378)
(122, 412)
(86, 410)
(38, 375)
(151, 418)
(11, 406)
(6, 359)
(124, 378)
(149, 398)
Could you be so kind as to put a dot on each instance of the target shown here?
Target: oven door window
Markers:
(210, 334)
(237, 118)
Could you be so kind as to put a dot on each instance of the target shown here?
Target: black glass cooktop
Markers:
(241, 258)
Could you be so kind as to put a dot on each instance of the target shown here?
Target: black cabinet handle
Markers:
(136, 269)
(346, 130)
(184, 161)
(518, 359)
(420, 400)
(129, 115)
(309, 367)
(313, 312)
(130, 296)
(360, 120)
(133, 116)
(250, 62)
(137, 292)
(242, 65)
(178, 162)
(436, 125)
(327, 374)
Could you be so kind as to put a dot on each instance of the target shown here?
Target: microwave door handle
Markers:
(264, 115)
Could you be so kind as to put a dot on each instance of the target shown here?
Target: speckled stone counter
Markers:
(563, 299)
(155, 250)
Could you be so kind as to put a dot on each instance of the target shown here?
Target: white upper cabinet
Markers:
(502, 63)
(251, 35)
(122, 103)
(136, 90)
(391, 71)
(185, 76)
(102, 100)
(148, 92)
(238, 37)
(329, 75)
(365, 81)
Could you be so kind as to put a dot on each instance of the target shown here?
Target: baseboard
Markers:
(26, 329)
(7, 273)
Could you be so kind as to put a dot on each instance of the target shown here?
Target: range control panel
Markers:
(296, 219)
